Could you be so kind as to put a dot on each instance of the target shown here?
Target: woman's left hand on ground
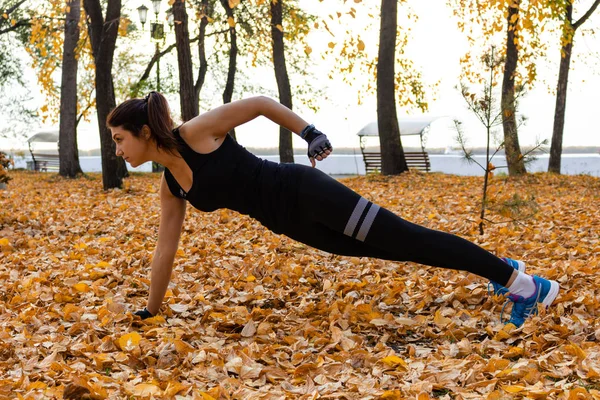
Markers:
(143, 314)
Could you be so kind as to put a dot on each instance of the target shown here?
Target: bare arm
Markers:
(172, 214)
(218, 121)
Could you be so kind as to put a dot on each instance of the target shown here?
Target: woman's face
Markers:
(133, 149)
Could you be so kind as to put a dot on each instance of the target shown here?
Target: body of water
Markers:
(352, 164)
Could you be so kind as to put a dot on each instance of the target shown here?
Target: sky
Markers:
(436, 46)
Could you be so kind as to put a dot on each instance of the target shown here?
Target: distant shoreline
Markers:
(273, 151)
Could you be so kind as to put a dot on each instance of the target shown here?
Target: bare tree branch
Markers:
(15, 26)
(13, 8)
(158, 56)
(585, 16)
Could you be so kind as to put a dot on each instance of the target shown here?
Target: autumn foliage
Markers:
(254, 315)
(5, 163)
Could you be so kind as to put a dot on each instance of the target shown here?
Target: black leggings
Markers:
(334, 218)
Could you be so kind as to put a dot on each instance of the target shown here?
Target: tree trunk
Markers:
(67, 142)
(286, 150)
(233, 50)
(392, 155)
(187, 92)
(206, 8)
(569, 29)
(103, 36)
(514, 158)
(561, 98)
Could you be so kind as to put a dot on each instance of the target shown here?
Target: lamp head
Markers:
(143, 13)
(156, 6)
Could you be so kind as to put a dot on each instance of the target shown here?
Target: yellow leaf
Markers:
(156, 320)
(4, 242)
(331, 45)
(496, 364)
(505, 332)
(173, 388)
(308, 50)
(579, 393)
(514, 352)
(361, 45)
(395, 361)
(440, 320)
(182, 347)
(37, 385)
(278, 26)
(103, 360)
(206, 396)
(391, 394)
(231, 22)
(250, 278)
(233, 3)
(82, 287)
(62, 298)
(576, 351)
(129, 341)
(70, 309)
(5, 16)
(146, 389)
(514, 388)
(13, 22)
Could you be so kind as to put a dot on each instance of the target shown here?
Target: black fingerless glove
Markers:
(143, 314)
(317, 141)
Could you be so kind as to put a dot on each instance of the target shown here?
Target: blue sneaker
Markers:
(498, 288)
(545, 293)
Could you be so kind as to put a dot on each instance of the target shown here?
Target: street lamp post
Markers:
(157, 33)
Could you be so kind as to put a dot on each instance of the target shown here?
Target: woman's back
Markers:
(232, 177)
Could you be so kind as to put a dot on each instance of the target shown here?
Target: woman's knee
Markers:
(393, 233)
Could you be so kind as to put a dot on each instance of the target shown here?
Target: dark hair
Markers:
(153, 110)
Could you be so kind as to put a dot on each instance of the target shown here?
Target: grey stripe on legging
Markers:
(358, 210)
(366, 225)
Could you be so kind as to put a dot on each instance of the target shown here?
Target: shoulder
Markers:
(198, 139)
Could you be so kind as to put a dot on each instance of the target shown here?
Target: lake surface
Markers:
(350, 164)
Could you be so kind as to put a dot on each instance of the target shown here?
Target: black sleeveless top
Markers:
(232, 177)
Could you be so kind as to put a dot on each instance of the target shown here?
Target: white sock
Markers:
(523, 285)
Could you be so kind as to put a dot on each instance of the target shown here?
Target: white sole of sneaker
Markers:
(552, 294)
(521, 266)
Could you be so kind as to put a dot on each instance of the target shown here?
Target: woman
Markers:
(207, 168)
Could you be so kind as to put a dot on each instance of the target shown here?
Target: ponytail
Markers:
(153, 110)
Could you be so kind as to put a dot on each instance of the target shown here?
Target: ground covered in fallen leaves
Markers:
(254, 315)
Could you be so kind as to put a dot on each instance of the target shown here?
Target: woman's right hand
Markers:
(319, 149)
(319, 146)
